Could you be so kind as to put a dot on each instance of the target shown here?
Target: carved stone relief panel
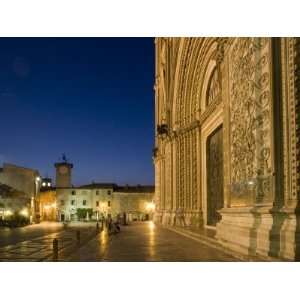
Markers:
(250, 120)
(296, 77)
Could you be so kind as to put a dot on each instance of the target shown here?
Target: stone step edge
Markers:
(211, 242)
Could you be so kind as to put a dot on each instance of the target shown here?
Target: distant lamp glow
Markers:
(8, 213)
(38, 178)
(49, 184)
(24, 212)
(150, 206)
(251, 182)
(44, 184)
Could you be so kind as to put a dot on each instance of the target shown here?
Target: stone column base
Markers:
(260, 231)
(171, 218)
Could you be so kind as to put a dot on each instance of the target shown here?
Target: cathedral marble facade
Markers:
(227, 144)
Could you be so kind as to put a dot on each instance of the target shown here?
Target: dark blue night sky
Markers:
(91, 98)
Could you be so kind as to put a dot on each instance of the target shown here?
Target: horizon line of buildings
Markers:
(24, 191)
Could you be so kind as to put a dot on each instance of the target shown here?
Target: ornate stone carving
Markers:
(296, 183)
(220, 49)
(249, 80)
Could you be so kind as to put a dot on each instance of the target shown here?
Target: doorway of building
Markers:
(215, 176)
(62, 217)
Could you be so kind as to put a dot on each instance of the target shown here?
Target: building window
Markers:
(97, 203)
(108, 203)
(108, 192)
(97, 193)
(84, 202)
(72, 202)
(62, 202)
(73, 192)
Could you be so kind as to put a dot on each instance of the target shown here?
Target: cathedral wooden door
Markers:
(215, 176)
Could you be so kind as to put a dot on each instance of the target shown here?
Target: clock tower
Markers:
(63, 173)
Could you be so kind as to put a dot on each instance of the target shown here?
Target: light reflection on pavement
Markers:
(147, 242)
(41, 248)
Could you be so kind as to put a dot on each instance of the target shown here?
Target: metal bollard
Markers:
(97, 226)
(78, 236)
(55, 249)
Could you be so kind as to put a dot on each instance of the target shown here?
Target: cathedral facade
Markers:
(227, 143)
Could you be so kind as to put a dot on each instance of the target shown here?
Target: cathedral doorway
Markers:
(215, 176)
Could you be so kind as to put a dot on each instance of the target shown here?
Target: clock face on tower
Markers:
(63, 170)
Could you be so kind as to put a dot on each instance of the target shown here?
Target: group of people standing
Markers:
(113, 224)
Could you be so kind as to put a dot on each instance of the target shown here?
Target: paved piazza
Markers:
(136, 242)
(147, 242)
(12, 236)
(34, 243)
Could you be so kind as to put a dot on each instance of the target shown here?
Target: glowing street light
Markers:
(8, 213)
(150, 206)
(24, 212)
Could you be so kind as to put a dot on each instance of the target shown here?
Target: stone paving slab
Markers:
(41, 248)
(140, 242)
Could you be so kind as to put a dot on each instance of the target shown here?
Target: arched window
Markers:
(213, 88)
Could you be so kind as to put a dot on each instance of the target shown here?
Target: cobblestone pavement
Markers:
(41, 248)
(9, 236)
(146, 242)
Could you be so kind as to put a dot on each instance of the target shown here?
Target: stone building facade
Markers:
(227, 150)
(97, 200)
(13, 202)
(104, 200)
(24, 180)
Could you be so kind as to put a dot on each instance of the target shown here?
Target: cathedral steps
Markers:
(206, 237)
